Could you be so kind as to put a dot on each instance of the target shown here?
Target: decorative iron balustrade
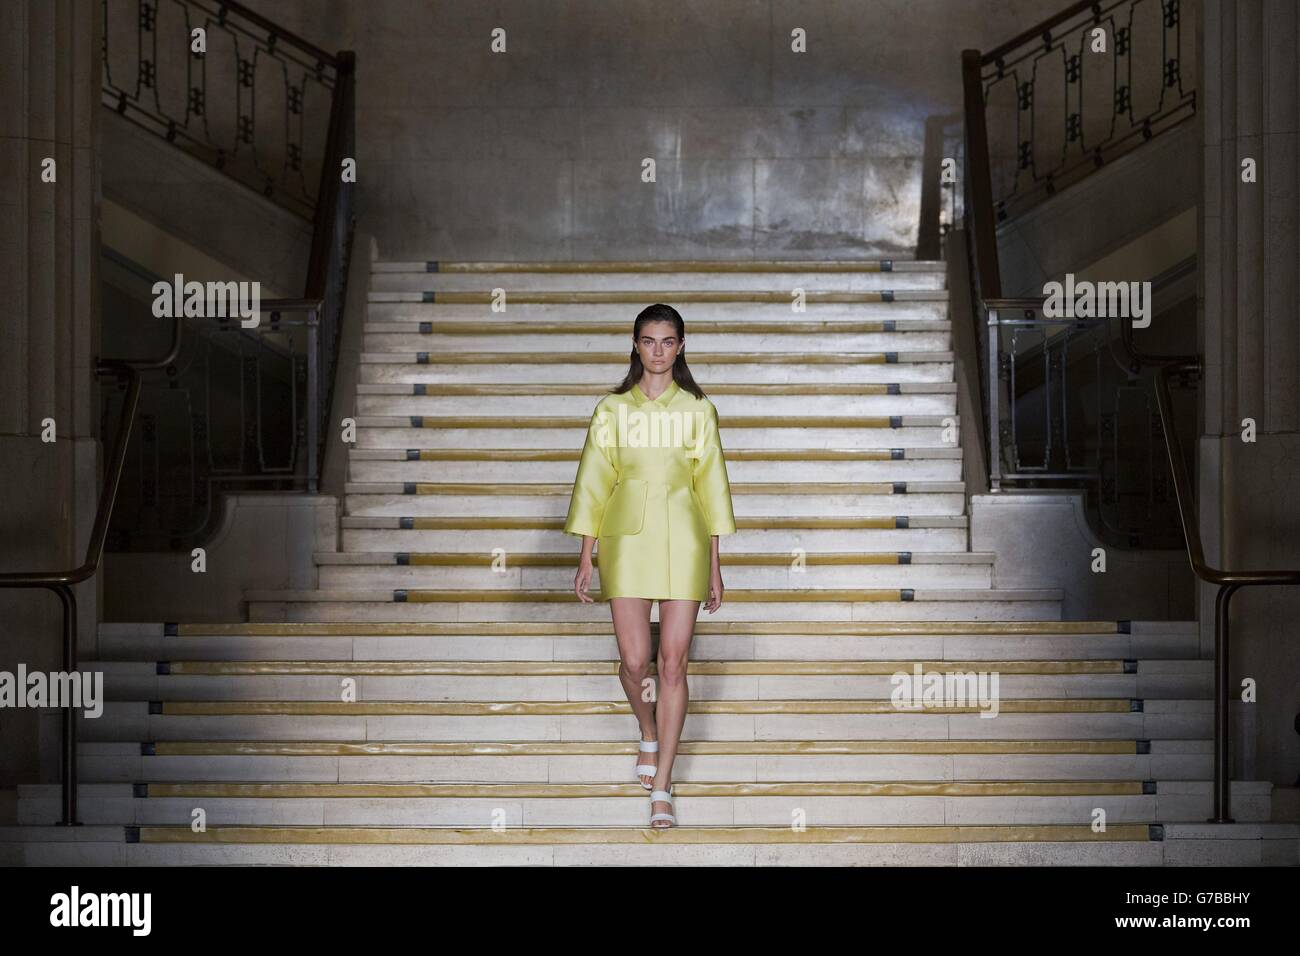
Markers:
(256, 104)
(1041, 112)
(277, 113)
(1056, 109)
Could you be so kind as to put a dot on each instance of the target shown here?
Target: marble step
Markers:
(598, 681)
(423, 400)
(766, 761)
(539, 500)
(769, 533)
(713, 720)
(594, 267)
(494, 465)
(925, 306)
(806, 325)
(708, 369)
(776, 433)
(886, 604)
(713, 640)
(902, 803)
(744, 394)
(555, 570)
(615, 354)
(1171, 844)
(529, 338)
(631, 301)
(416, 276)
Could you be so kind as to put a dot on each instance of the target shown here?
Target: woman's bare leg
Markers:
(632, 630)
(676, 628)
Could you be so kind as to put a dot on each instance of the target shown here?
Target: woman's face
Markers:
(658, 345)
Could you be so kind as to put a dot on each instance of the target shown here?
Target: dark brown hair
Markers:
(681, 374)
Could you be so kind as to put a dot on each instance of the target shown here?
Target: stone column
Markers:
(1250, 323)
(49, 331)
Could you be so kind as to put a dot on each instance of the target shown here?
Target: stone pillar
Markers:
(1250, 335)
(49, 331)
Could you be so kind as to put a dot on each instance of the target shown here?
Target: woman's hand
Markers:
(582, 579)
(715, 589)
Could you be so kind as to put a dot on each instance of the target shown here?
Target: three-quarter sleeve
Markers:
(597, 473)
(709, 477)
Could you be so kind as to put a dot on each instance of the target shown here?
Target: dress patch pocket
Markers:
(625, 510)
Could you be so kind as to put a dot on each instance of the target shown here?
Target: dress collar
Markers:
(664, 398)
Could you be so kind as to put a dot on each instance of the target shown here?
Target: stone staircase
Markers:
(488, 725)
(840, 428)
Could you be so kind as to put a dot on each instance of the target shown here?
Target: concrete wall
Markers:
(536, 153)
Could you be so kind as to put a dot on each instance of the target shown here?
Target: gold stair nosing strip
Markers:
(738, 488)
(827, 748)
(398, 708)
(738, 454)
(599, 668)
(418, 559)
(729, 421)
(511, 836)
(614, 296)
(758, 523)
(743, 628)
(735, 595)
(687, 265)
(446, 357)
(574, 791)
(434, 389)
(498, 454)
(793, 326)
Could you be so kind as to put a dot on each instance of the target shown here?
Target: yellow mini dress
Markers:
(652, 488)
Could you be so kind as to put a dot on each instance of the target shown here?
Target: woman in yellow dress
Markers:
(652, 492)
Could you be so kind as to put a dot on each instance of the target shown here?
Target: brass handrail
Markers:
(1228, 581)
(1036, 32)
(275, 30)
(61, 582)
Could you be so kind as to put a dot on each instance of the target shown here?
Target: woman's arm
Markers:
(582, 580)
(715, 577)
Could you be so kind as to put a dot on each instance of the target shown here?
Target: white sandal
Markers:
(647, 769)
(662, 796)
